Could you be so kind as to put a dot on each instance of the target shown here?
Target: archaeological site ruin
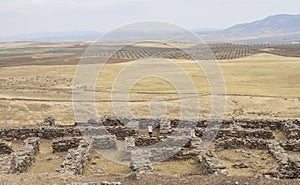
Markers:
(268, 148)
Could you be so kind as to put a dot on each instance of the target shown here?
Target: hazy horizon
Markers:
(52, 16)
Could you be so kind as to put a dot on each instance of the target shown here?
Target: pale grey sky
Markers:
(19, 17)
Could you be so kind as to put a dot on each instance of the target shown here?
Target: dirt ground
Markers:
(259, 161)
(259, 86)
(149, 179)
(262, 85)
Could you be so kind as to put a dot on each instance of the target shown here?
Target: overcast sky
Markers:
(19, 17)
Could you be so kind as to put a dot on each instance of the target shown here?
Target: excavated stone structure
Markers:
(173, 140)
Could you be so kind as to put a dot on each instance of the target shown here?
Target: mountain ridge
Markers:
(277, 28)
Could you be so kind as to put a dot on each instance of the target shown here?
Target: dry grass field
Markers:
(261, 85)
(258, 86)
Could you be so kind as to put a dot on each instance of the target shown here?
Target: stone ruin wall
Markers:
(64, 144)
(289, 167)
(116, 126)
(235, 143)
(104, 142)
(50, 133)
(291, 145)
(291, 129)
(141, 141)
(20, 160)
(235, 133)
(5, 148)
(25, 155)
(76, 160)
(41, 132)
(210, 164)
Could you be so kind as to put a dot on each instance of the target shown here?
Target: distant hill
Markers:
(282, 23)
(282, 28)
(276, 28)
(55, 36)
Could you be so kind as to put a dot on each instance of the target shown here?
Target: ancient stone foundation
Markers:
(76, 160)
(121, 132)
(289, 167)
(243, 133)
(41, 132)
(291, 129)
(234, 143)
(176, 142)
(64, 144)
(104, 142)
(140, 162)
(19, 161)
(165, 126)
(210, 164)
(129, 146)
(25, 155)
(4, 148)
(146, 140)
(291, 145)
(96, 129)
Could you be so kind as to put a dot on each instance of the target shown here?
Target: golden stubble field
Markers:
(261, 85)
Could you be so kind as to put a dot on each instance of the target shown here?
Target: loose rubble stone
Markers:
(240, 165)
(49, 121)
(110, 183)
(85, 183)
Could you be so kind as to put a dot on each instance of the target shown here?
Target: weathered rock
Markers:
(240, 165)
(49, 121)
(110, 183)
